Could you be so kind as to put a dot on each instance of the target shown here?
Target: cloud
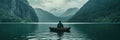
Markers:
(57, 6)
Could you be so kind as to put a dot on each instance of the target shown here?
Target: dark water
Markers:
(77, 32)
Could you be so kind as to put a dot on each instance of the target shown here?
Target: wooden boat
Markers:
(53, 29)
(60, 28)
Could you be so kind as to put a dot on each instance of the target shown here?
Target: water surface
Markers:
(77, 32)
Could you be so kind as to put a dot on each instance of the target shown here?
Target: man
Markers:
(60, 25)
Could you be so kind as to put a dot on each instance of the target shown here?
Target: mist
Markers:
(57, 7)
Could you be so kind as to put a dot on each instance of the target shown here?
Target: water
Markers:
(42, 32)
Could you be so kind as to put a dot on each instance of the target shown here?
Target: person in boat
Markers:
(60, 25)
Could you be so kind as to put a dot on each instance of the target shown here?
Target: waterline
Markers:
(55, 23)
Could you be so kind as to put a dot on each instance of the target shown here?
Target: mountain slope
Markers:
(16, 11)
(45, 16)
(70, 12)
(99, 11)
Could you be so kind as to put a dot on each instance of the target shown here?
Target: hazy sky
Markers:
(57, 7)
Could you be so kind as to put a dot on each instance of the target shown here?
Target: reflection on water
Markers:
(58, 36)
(42, 32)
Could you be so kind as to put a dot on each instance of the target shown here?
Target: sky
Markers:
(57, 7)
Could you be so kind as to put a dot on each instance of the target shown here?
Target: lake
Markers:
(78, 31)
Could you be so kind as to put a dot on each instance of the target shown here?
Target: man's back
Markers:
(60, 25)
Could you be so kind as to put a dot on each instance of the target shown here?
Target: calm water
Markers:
(77, 32)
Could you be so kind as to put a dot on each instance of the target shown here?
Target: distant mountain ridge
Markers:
(70, 12)
(45, 16)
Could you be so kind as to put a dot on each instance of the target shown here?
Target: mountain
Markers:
(17, 11)
(70, 12)
(98, 11)
(45, 16)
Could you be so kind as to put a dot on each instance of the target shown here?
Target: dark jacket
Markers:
(60, 25)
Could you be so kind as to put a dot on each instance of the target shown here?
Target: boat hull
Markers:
(52, 29)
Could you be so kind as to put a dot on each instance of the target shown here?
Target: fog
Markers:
(57, 7)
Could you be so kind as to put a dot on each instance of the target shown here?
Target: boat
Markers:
(60, 28)
(53, 29)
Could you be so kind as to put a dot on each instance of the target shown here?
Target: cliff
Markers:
(17, 11)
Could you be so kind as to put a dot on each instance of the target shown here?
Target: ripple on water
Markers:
(54, 36)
